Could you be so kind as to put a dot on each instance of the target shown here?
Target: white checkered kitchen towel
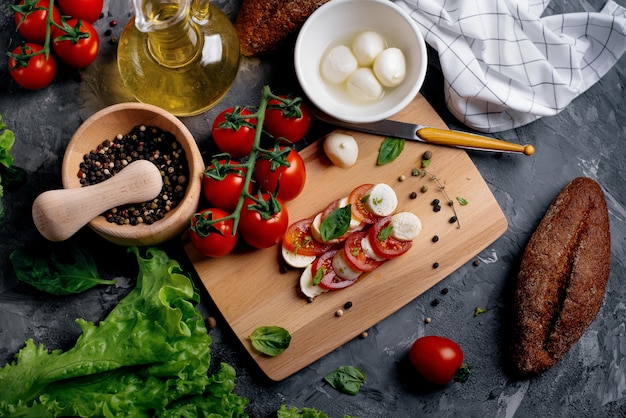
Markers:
(505, 66)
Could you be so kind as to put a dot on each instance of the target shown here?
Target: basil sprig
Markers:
(336, 223)
(389, 150)
(270, 340)
(346, 379)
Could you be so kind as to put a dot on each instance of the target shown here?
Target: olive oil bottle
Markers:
(180, 55)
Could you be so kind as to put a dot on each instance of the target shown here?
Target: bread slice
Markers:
(562, 278)
(263, 25)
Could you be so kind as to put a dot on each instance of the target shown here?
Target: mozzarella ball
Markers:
(338, 64)
(366, 47)
(341, 149)
(364, 85)
(390, 67)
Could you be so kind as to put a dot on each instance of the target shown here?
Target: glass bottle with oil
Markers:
(180, 55)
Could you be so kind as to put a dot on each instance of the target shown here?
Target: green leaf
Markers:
(336, 223)
(389, 150)
(461, 201)
(270, 340)
(61, 270)
(346, 379)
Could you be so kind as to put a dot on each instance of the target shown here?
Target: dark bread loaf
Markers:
(563, 274)
(262, 25)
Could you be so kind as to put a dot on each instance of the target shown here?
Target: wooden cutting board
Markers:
(250, 290)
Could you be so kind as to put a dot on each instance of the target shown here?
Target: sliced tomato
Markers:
(356, 199)
(298, 239)
(354, 255)
(330, 280)
(389, 247)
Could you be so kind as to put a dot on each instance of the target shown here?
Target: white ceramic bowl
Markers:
(339, 20)
(120, 119)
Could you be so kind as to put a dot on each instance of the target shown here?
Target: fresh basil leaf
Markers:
(336, 223)
(270, 340)
(319, 275)
(385, 233)
(62, 270)
(389, 150)
(346, 379)
(462, 201)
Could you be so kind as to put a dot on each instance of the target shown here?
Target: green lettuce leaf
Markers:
(149, 354)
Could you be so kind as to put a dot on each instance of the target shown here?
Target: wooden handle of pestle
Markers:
(58, 214)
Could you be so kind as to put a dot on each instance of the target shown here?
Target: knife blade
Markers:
(427, 134)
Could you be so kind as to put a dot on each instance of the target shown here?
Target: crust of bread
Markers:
(263, 25)
(562, 277)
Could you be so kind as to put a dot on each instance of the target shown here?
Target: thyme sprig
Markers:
(422, 172)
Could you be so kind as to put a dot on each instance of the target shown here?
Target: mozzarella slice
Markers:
(306, 284)
(381, 200)
(343, 269)
(390, 67)
(366, 245)
(366, 47)
(338, 64)
(406, 226)
(364, 85)
(296, 260)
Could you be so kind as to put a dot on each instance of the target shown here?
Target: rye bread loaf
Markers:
(562, 277)
(263, 25)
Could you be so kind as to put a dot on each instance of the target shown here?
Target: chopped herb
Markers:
(461, 201)
(385, 233)
(479, 310)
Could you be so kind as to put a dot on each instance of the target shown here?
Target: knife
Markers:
(427, 134)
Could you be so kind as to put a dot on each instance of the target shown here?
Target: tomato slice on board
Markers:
(330, 280)
(298, 239)
(389, 247)
(356, 257)
(359, 211)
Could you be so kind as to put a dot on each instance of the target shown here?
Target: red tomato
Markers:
(356, 199)
(298, 239)
(234, 134)
(212, 239)
(77, 44)
(31, 19)
(354, 255)
(264, 228)
(289, 181)
(89, 10)
(330, 279)
(222, 186)
(289, 119)
(32, 73)
(389, 247)
(436, 358)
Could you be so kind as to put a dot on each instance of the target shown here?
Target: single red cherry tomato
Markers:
(286, 182)
(298, 239)
(222, 186)
(89, 10)
(356, 199)
(210, 235)
(385, 246)
(261, 226)
(34, 72)
(289, 118)
(354, 255)
(436, 358)
(233, 133)
(31, 19)
(77, 44)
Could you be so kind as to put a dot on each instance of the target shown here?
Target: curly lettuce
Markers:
(149, 357)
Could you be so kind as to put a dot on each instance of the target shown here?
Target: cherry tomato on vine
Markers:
(263, 225)
(211, 236)
(32, 73)
(286, 182)
(31, 19)
(436, 358)
(222, 186)
(77, 44)
(89, 10)
(290, 119)
(233, 133)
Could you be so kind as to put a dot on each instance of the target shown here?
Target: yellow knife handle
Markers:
(463, 139)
